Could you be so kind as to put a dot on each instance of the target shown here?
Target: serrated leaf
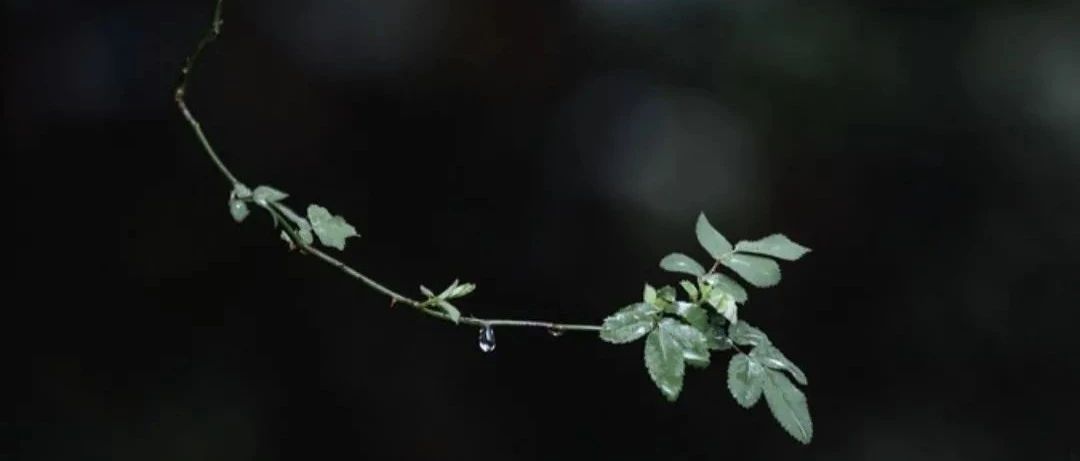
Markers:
(691, 289)
(744, 334)
(788, 405)
(629, 323)
(771, 357)
(450, 310)
(678, 262)
(692, 313)
(725, 305)
(664, 361)
(649, 294)
(710, 238)
(727, 284)
(332, 230)
(714, 332)
(775, 245)
(758, 270)
(745, 379)
(238, 209)
(691, 341)
(264, 195)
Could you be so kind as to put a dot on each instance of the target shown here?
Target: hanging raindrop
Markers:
(487, 338)
(556, 332)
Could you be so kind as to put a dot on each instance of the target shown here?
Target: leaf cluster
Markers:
(442, 300)
(298, 231)
(331, 231)
(681, 332)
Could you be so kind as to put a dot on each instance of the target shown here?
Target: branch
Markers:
(181, 91)
(277, 211)
(677, 333)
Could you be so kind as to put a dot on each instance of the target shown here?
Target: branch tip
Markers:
(296, 243)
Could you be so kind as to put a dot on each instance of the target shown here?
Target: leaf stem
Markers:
(181, 92)
(716, 263)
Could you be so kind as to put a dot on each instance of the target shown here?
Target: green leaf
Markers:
(692, 342)
(450, 310)
(450, 289)
(238, 209)
(759, 271)
(771, 357)
(303, 228)
(724, 304)
(456, 290)
(461, 290)
(664, 361)
(775, 245)
(710, 238)
(691, 289)
(240, 191)
(692, 313)
(714, 332)
(666, 294)
(678, 262)
(788, 405)
(744, 334)
(745, 379)
(305, 236)
(331, 230)
(264, 195)
(649, 296)
(702, 364)
(629, 323)
(726, 284)
(427, 292)
(286, 239)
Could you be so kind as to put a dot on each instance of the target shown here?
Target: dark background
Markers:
(551, 152)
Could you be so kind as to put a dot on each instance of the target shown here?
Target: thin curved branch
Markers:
(181, 92)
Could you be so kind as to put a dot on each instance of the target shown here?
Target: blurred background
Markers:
(552, 153)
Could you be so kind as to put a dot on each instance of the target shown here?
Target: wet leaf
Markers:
(238, 209)
(710, 238)
(771, 357)
(776, 245)
(788, 405)
(745, 379)
(758, 270)
(665, 363)
(332, 230)
(629, 323)
(678, 262)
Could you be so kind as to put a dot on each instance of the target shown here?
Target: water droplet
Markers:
(487, 338)
(556, 332)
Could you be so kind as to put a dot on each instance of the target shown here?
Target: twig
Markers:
(181, 92)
